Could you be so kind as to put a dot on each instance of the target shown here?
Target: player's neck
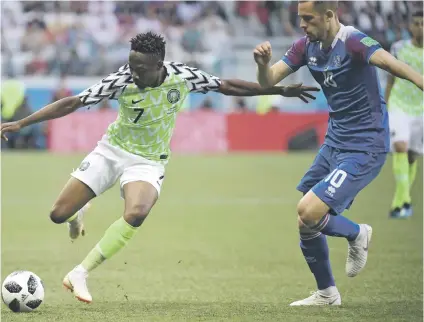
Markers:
(334, 29)
(159, 81)
(161, 77)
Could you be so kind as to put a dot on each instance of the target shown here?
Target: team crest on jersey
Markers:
(84, 166)
(312, 61)
(337, 61)
(173, 96)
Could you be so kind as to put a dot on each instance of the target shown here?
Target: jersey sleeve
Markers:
(109, 87)
(197, 80)
(361, 46)
(295, 57)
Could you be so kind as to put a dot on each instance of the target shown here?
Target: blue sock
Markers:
(315, 251)
(337, 226)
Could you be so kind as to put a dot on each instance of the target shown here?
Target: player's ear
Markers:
(160, 64)
(329, 14)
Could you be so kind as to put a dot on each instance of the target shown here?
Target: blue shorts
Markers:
(336, 176)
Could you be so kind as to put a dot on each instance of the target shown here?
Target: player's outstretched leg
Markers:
(139, 199)
(71, 205)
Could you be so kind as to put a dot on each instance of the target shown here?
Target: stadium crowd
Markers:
(83, 37)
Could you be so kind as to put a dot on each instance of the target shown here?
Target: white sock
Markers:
(329, 291)
(361, 233)
(80, 268)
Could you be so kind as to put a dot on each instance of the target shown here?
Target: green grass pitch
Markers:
(220, 245)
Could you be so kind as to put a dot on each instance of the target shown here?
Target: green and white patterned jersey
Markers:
(146, 117)
(405, 95)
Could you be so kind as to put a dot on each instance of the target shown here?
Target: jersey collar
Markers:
(336, 38)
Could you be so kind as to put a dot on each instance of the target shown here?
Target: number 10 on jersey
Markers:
(337, 177)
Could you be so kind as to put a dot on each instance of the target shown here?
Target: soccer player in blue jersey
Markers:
(342, 60)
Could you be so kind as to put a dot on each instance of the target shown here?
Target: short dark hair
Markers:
(149, 43)
(323, 6)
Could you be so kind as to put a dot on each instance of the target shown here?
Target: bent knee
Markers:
(302, 208)
(305, 216)
(310, 210)
(304, 211)
(301, 225)
(304, 230)
(60, 213)
(135, 215)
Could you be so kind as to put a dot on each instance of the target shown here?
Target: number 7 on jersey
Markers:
(141, 111)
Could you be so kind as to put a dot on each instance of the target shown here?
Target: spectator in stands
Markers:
(240, 105)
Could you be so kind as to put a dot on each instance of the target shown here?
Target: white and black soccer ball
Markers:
(22, 291)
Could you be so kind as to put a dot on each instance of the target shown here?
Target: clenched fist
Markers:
(263, 53)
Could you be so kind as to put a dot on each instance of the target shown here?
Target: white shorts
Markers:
(409, 129)
(101, 168)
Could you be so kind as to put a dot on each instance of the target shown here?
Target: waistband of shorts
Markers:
(105, 141)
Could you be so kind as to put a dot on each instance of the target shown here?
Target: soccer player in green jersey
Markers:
(135, 149)
(405, 105)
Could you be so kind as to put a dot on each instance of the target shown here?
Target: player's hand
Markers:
(297, 90)
(9, 127)
(263, 53)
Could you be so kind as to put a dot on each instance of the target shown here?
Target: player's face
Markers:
(145, 69)
(416, 28)
(313, 23)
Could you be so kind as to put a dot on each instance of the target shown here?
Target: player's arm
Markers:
(54, 110)
(389, 85)
(397, 68)
(238, 87)
(367, 50)
(107, 88)
(269, 76)
(201, 82)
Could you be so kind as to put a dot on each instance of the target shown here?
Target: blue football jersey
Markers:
(358, 118)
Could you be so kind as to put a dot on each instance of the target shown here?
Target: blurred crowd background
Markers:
(56, 48)
(91, 37)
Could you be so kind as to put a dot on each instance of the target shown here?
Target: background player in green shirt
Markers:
(405, 104)
(135, 148)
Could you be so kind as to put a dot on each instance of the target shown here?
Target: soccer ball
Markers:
(22, 291)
